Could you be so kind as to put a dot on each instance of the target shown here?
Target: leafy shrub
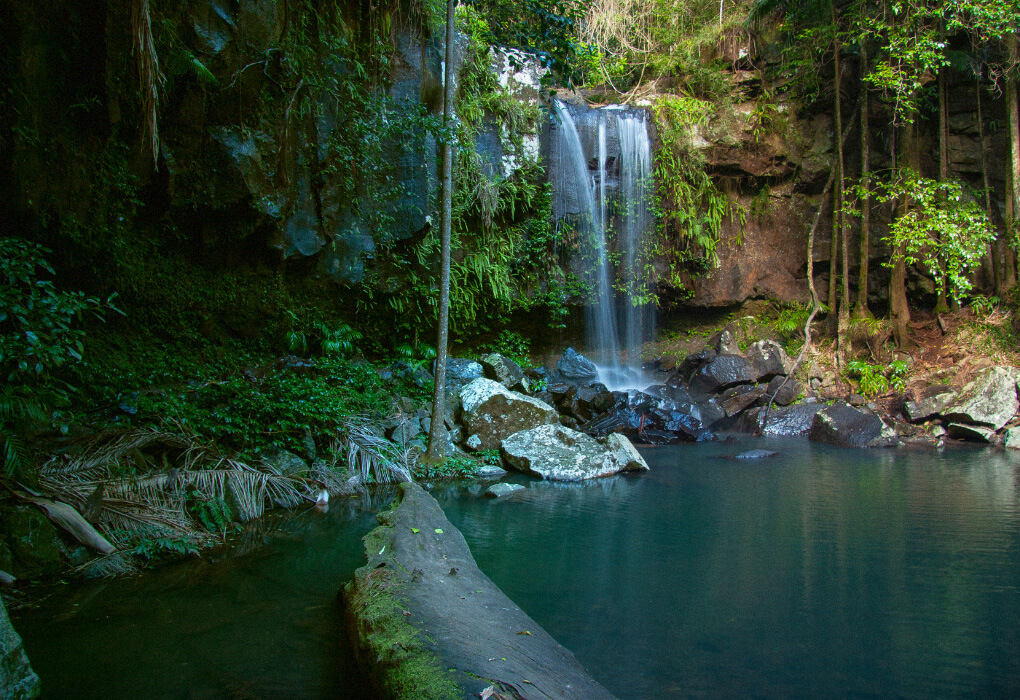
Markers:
(450, 468)
(876, 379)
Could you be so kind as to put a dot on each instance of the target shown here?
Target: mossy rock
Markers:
(33, 541)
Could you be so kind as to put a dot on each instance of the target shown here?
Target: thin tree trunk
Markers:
(899, 308)
(843, 349)
(988, 264)
(861, 310)
(1014, 171)
(437, 430)
(940, 280)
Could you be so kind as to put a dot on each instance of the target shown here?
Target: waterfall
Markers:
(601, 316)
(601, 173)
(635, 180)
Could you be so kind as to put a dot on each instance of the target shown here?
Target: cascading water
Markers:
(601, 317)
(636, 219)
(608, 191)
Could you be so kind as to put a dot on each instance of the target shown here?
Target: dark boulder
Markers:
(791, 420)
(784, 389)
(843, 425)
(740, 399)
(722, 372)
(574, 366)
(768, 359)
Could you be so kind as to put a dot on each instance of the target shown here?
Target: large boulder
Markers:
(930, 402)
(625, 453)
(17, 679)
(784, 389)
(560, 454)
(843, 425)
(574, 366)
(722, 372)
(989, 400)
(425, 622)
(769, 359)
(502, 369)
(788, 421)
(33, 542)
(491, 412)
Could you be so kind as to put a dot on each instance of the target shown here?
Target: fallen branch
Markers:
(70, 520)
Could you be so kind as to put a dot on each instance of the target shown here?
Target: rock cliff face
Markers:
(17, 679)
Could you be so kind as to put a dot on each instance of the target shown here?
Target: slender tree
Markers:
(437, 431)
(861, 308)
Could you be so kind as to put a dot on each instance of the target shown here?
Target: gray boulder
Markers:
(724, 342)
(560, 454)
(502, 369)
(931, 402)
(1013, 438)
(843, 425)
(625, 453)
(491, 412)
(284, 462)
(990, 400)
(575, 366)
(740, 400)
(973, 433)
(769, 359)
(502, 490)
(17, 679)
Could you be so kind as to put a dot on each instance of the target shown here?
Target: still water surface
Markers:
(817, 573)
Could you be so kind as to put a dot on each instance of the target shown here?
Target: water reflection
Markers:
(260, 619)
(820, 572)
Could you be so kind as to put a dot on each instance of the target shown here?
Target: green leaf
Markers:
(439, 530)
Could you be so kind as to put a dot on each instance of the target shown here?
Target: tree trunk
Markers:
(437, 431)
(940, 280)
(1009, 278)
(988, 263)
(843, 325)
(861, 309)
(899, 308)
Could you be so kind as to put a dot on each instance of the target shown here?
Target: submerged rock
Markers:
(989, 400)
(843, 425)
(756, 454)
(492, 413)
(17, 679)
(503, 490)
(561, 454)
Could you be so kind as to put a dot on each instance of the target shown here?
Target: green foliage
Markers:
(689, 206)
(449, 468)
(941, 229)
(153, 549)
(268, 406)
(875, 379)
(982, 305)
(39, 334)
(213, 514)
(510, 344)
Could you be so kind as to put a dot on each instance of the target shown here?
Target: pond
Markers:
(819, 572)
(816, 573)
(261, 620)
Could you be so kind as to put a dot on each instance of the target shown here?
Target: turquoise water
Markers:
(260, 621)
(817, 573)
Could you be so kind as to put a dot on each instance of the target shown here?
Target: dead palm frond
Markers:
(150, 79)
(372, 457)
